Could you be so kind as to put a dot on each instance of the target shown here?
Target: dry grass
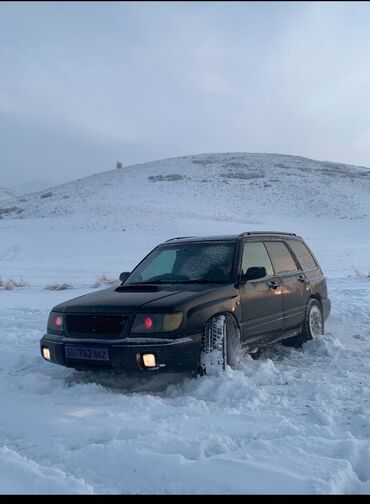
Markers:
(59, 287)
(359, 274)
(11, 284)
(104, 280)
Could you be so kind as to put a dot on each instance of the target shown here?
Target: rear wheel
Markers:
(312, 327)
(220, 345)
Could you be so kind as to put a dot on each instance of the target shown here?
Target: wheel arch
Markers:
(198, 315)
(318, 298)
(227, 314)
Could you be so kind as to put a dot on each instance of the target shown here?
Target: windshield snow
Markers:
(186, 262)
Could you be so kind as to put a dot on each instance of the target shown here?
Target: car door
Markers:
(261, 299)
(293, 284)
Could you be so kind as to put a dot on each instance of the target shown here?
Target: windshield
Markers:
(186, 263)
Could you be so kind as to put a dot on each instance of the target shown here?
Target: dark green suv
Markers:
(195, 304)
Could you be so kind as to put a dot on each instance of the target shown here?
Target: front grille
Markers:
(95, 324)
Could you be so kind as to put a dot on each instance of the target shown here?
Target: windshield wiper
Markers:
(195, 281)
(199, 281)
(148, 282)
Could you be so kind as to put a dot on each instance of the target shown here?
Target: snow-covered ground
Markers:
(292, 421)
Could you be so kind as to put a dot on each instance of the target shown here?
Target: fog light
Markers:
(149, 360)
(46, 353)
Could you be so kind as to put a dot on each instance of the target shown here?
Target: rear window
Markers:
(281, 257)
(303, 254)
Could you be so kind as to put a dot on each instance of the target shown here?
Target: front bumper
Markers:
(175, 355)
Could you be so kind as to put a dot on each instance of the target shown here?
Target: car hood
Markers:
(130, 300)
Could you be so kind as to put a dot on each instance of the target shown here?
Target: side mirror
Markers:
(123, 276)
(255, 273)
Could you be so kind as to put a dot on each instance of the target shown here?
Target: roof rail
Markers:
(177, 238)
(251, 233)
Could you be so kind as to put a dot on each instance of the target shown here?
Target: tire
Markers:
(220, 345)
(312, 327)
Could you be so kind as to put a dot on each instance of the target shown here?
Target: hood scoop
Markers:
(137, 288)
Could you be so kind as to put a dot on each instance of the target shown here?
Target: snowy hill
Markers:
(141, 205)
(236, 186)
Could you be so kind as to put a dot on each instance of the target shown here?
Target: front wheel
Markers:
(220, 345)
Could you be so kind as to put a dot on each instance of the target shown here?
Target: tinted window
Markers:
(281, 258)
(303, 254)
(256, 256)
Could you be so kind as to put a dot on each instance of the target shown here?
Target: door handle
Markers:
(301, 279)
(273, 285)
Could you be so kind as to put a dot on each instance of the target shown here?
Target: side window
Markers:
(255, 255)
(303, 254)
(281, 258)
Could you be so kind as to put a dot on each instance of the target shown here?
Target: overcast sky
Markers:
(83, 85)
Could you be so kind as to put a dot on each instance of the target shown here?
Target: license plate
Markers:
(85, 353)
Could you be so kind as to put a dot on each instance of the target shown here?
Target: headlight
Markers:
(150, 323)
(55, 323)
